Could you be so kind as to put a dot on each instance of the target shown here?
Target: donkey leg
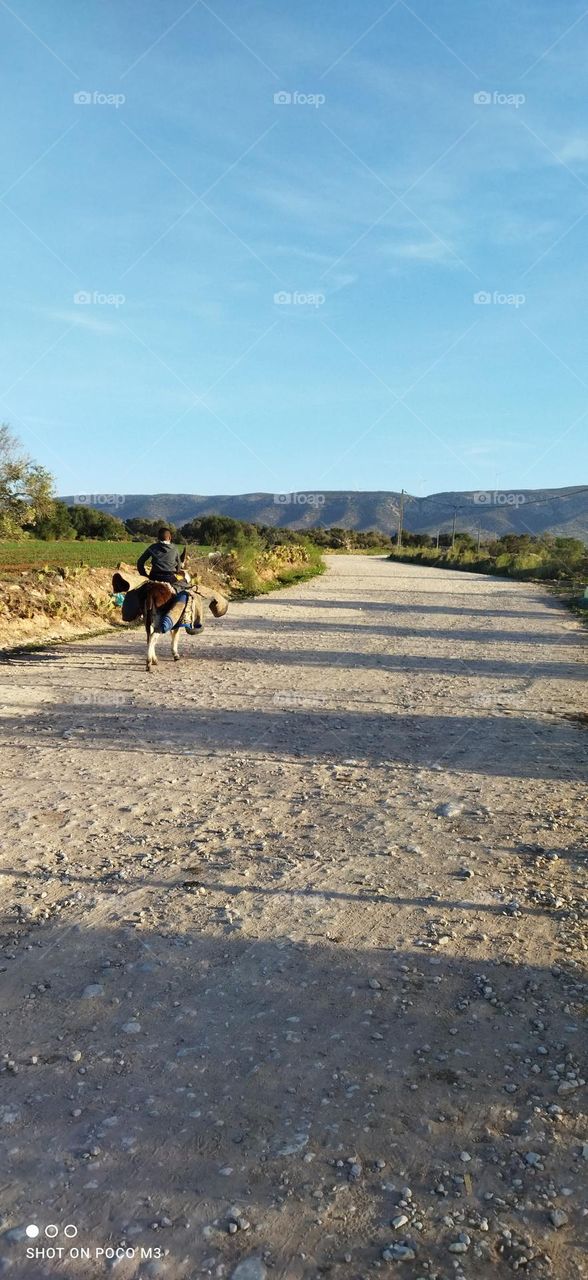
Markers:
(174, 644)
(151, 643)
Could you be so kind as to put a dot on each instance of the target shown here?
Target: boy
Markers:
(164, 557)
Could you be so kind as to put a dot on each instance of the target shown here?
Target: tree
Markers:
(517, 543)
(55, 525)
(416, 539)
(26, 489)
(140, 527)
(89, 523)
(215, 531)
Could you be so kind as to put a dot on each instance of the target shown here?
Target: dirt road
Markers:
(291, 959)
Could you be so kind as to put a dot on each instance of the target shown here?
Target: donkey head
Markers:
(185, 575)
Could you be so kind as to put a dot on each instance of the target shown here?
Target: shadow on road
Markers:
(486, 743)
(212, 1065)
(204, 650)
(543, 639)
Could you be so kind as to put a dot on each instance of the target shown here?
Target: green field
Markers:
(34, 554)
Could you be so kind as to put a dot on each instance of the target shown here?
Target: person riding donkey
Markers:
(179, 605)
(166, 563)
(168, 600)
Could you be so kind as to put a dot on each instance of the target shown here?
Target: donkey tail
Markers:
(157, 595)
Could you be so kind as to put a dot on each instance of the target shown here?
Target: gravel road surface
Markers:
(292, 941)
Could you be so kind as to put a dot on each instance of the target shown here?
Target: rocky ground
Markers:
(54, 604)
(292, 941)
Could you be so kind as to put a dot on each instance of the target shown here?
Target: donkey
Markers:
(165, 608)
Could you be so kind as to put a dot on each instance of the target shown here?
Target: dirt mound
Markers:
(51, 604)
(54, 604)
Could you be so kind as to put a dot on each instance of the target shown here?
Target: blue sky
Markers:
(378, 201)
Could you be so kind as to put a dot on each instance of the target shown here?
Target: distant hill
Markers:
(563, 512)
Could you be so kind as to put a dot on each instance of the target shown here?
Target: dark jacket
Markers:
(165, 561)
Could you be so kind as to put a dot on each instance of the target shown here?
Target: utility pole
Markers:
(453, 528)
(479, 533)
(438, 536)
(400, 519)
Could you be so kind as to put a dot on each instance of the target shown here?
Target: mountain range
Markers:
(563, 512)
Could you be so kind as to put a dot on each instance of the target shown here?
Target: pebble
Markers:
(398, 1253)
(250, 1269)
(450, 809)
(15, 1235)
(558, 1218)
(92, 991)
(295, 1147)
(399, 1221)
(131, 1028)
(9, 1115)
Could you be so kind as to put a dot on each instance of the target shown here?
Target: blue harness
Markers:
(167, 622)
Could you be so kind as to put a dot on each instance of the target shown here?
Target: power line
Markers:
(468, 506)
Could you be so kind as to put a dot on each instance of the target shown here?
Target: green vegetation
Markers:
(61, 523)
(257, 572)
(32, 553)
(26, 489)
(37, 530)
(253, 558)
(521, 556)
(336, 539)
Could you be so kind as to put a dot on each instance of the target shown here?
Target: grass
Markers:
(249, 570)
(290, 577)
(547, 567)
(35, 554)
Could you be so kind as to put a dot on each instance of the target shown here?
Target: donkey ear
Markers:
(184, 556)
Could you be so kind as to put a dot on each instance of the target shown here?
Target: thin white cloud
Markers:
(82, 320)
(574, 150)
(420, 251)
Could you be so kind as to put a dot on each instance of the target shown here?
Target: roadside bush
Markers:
(515, 556)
